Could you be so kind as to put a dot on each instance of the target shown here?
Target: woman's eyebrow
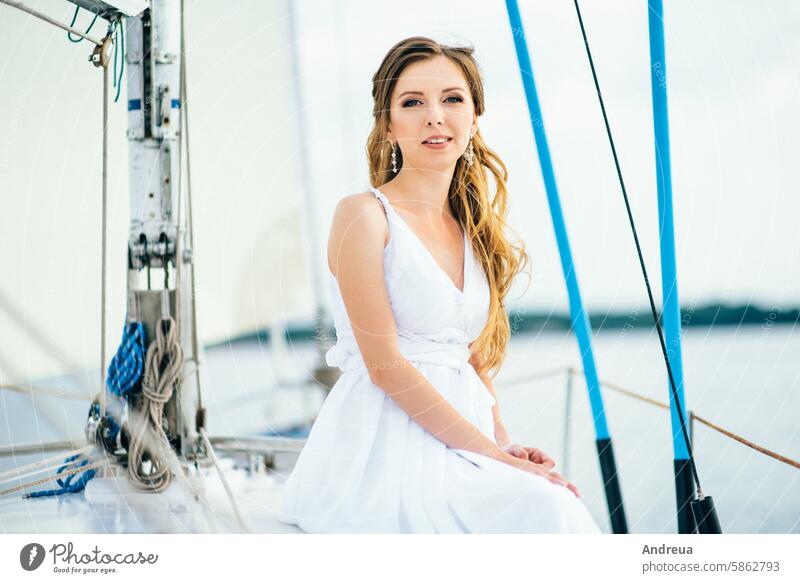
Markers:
(420, 92)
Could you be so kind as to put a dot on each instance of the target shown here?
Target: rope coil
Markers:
(125, 369)
(162, 375)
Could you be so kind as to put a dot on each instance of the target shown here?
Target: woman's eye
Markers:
(457, 98)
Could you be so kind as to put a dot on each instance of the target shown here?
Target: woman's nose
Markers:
(434, 115)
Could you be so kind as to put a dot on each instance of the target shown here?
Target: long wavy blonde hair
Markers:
(482, 216)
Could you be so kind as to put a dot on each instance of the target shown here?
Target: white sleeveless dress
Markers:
(367, 467)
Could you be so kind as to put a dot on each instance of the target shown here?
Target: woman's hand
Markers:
(530, 459)
(535, 461)
(555, 477)
(532, 454)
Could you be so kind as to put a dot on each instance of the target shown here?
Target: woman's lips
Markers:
(440, 146)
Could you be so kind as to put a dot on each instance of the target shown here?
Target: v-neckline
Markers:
(465, 271)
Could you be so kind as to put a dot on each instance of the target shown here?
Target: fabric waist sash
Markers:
(348, 357)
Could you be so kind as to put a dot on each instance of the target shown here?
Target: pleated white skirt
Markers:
(367, 467)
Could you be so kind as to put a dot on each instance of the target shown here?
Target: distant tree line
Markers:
(532, 320)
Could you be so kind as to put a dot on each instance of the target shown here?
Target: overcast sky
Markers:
(733, 82)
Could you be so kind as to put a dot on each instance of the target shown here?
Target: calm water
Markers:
(745, 380)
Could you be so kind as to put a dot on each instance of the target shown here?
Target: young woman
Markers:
(410, 438)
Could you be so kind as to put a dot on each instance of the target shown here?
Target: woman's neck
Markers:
(424, 192)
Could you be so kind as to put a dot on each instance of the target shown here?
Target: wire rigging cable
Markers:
(639, 253)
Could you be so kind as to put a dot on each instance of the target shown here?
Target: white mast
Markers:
(153, 60)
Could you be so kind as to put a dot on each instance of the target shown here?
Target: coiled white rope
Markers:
(162, 375)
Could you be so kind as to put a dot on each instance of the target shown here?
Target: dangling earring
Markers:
(394, 159)
(469, 155)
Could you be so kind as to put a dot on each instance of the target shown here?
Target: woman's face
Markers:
(431, 98)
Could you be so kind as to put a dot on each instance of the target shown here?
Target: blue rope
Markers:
(124, 375)
(66, 484)
(125, 369)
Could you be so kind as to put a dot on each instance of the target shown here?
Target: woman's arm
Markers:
(355, 251)
(500, 432)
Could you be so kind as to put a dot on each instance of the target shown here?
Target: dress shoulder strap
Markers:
(382, 198)
(387, 209)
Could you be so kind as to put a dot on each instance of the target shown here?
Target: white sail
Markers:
(249, 240)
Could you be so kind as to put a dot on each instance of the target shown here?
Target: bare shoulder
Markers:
(359, 203)
(359, 221)
(356, 258)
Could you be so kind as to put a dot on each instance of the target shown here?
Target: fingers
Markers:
(520, 453)
(561, 480)
(517, 451)
(538, 456)
(548, 463)
(574, 489)
(554, 477)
